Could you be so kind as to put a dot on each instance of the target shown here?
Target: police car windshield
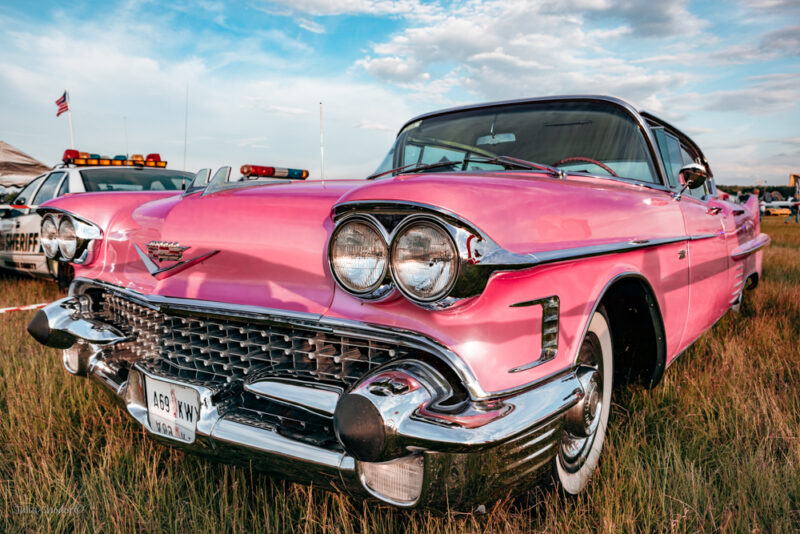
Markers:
(135, 179)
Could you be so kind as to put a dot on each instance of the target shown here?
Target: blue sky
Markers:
(727, 73)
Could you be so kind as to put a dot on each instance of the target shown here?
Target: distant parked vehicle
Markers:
(780, 207)
(81, 172)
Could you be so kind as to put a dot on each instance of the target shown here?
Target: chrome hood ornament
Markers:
(165, 251)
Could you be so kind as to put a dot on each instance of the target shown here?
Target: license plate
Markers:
(173, 410)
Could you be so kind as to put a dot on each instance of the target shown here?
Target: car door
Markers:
(707, 225)
(10, 220)
(27, 254)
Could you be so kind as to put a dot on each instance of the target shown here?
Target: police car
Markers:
(20, 249)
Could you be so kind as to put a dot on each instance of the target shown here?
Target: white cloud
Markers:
(367, 124)
(122, 70)
(310, 25)
(394, 69)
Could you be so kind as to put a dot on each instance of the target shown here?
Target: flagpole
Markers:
(321, 146)
(69, 113)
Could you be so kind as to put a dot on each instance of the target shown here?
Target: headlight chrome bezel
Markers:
(399, 232)
(383, 287)
(457, 237)
(50, 243)
(85, 235)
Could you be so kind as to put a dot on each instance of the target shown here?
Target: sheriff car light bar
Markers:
(85, 158)
(273, 172)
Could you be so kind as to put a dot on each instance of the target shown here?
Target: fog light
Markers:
(72, 357)
(134, 391)
(398, 481)
(76, 358)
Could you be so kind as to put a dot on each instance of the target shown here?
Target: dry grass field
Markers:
(715, 447)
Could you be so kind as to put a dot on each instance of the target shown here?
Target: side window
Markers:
(670, 149)
(661, 141)
(26, 195)
(64, 189)
(675, 158)
(48, 189)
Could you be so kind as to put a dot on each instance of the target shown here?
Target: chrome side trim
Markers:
(480, 255)
(550, 323)
(750, 247)
(699, 237)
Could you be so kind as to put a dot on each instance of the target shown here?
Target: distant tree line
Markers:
(767, 192)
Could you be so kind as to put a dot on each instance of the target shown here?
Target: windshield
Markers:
(580, 136)
(135, 179)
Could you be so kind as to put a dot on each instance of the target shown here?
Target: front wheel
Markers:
(586, 422)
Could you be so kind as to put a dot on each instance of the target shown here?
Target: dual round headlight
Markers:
(423, 259)
(59, 238)
(359, 256)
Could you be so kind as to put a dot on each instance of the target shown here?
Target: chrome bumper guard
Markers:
(463, 466)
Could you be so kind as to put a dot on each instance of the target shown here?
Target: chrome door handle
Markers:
(714, 210)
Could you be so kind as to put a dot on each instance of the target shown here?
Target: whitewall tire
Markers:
(582, 440)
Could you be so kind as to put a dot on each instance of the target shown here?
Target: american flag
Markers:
(63, 104)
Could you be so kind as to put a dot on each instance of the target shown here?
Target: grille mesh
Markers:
(213, 351)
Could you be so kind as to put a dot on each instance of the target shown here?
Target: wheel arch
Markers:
(637, 329)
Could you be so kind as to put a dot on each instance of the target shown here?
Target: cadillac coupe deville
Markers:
(441, 333)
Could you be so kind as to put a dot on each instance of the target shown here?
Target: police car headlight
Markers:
(67, 238)
(49, 237)
(359, 256)
(425, 261)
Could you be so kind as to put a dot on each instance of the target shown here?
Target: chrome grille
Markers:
(216, 351)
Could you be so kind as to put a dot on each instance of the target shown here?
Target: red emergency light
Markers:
(273, 172)
(85, 158)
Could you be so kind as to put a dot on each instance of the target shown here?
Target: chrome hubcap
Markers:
(583, 419)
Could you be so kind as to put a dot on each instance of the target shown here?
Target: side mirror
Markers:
(693, 175)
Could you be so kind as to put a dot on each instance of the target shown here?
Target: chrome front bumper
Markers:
(462, 465)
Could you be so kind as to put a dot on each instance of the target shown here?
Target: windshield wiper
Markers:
(415, 167)
(507, 162)
(512, 162)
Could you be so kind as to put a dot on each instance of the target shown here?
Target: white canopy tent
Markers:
(17, 168)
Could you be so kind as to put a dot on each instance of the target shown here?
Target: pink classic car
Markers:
(440, 334)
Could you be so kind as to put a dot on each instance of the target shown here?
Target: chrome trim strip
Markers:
(480, 255)
(751, 247)
(550, 326)
(700, 237)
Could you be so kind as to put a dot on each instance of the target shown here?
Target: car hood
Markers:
(261, 246)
